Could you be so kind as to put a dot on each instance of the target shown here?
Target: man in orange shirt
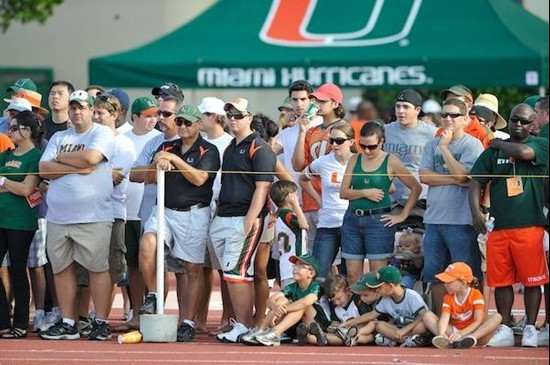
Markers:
(474, 127)
(366, 112)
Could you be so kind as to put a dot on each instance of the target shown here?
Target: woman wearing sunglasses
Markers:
(19, 219)
(368, 230)
(330, 169)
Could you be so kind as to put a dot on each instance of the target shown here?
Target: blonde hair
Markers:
(335, 284)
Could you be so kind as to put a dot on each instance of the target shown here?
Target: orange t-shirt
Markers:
(477, 130)
(5, 143)
(315, 146)
(462, 314)
(357, 124)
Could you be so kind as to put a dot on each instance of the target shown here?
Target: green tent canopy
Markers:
(354, 43)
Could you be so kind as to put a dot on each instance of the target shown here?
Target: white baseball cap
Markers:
(212, 105)
(20, 104)
(431, 106)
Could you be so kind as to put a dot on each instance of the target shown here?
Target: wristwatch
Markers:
(2, 180)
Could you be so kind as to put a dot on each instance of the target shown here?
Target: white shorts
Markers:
(185, 232)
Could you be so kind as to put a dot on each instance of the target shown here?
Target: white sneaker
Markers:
(384, 341)
(542, 339)
(39, 319)
(234, 335)
(51, 319)
(530, 335)
(503, 337)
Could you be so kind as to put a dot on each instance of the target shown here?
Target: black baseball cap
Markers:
(410, 96)
(168, 91)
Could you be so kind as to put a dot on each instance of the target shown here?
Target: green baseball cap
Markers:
(81, 97)
(189, 112)
(24, 83)
(386, 274)
(364, 281)
(532, 100)
(459, 90)
(308, 260)
(145, 106)
(286, 104)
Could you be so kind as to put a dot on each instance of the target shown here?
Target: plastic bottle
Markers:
(490, 224)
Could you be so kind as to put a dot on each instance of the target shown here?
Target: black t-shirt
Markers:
(180, 193)
(252, 154)
(51, 127)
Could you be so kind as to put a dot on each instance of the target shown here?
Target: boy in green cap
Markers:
(293, 304)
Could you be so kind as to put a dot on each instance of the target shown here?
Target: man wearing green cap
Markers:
(286, 117)
(187, 214)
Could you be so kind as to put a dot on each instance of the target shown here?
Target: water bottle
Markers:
(490, 225)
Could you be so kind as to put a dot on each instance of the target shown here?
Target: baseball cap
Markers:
(410, 96)
(189, 112)
(365, 282)
(168, 91)
(490, 102)
(531, 100)
(285, 104)
(482, 112)
(212, 105)
(386, 274)
(240, 104)
(328, 91)
(81, 97)
(459, 90)
(122, 97)
(306, 259)
(456, 271)
(20, 104)
(144, 105)
(431, 106)
(24, 83)
(353, 103)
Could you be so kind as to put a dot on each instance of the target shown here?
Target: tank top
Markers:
(371, 180)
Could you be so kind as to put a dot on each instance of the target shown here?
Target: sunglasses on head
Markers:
(165, 113)
(338, 141)
(522, 121)
(452, 115)
(370, 147)
(105, 97)
(182, 121)
(236, 115)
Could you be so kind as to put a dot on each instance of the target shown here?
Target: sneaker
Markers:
(39, 321)
(269, 338)
(383, 341)
(186, 333)
(285, 338)
(542, 339)
(503, 337)
(519, 326)
(302, 331)
(466, 342)
(341, 333)
(530, 336)
(441, 342)
(352, 336)
(61, 331)
(129, 315)
(234, 335)
(101, 331)
(149, 305)
(85, 325)
(415, 341)
(52, 318)
(249, 338)
(319, 334)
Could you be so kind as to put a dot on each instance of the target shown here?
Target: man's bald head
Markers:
(522, 110)
(519, 123)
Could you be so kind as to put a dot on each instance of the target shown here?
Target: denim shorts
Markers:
(325, 248)
(448, 243)
(366, 237)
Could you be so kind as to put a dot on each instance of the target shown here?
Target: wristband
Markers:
(2, 180)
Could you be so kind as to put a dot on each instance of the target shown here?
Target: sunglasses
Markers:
(370, 147)
(182, 121)
(105, 97)
(165, 113)
(520, 120)
(338, 141)
(452, 115)
(236, 116)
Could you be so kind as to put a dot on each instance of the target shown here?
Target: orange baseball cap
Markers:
(456, 271)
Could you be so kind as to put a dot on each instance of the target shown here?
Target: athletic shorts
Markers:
(516, 255)
(132, 230)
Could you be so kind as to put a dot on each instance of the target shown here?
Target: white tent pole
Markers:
(542, 90)
(160, 241)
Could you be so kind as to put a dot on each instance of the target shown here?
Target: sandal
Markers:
(5, 330)
(15, 333)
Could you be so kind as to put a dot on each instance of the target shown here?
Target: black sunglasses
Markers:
(452, 115)
(370, 147)
(520, 120)
(165, 113)
(180, 120)
(236, 115)
(105, 97)
(338, 141)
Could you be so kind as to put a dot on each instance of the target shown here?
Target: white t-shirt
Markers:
(331, 172)
(144, 159)
(123, 158)
(126, 127)
(134, 191)
(78, 198)
(221, 144)
(405, 311)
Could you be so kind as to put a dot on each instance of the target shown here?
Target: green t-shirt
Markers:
(16, 212)
(293, 292)
(523, 210)
(544, 131)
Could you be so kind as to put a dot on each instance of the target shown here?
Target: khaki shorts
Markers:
(117, 252)
(85, 243)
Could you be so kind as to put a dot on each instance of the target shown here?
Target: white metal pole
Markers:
(160, 241)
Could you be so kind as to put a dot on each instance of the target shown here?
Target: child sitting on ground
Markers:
(293, 304)
(405, 307)
(408, 257)
(462, 323)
